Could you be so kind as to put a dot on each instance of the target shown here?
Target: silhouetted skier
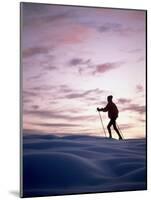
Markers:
(112, 110)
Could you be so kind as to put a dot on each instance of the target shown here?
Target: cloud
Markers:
(42, 13)
(124, 100)
(78, 61)
(109, 27)
(45, 114)
(55, 124)
(118, 28)
(105, 67)
(56, 17)
(75, 34)
(31, 131)
(141, 120)
(135, 108)
(137, 50)
(82, 65)
(29, 94)
(36, 77)
(28, 97)
(51, 68)
(53, 22)
(42, 88)
(27, 100)
(35, 107)
(62, 92)
(84, 93)
(57, 115)
(34, 51)
(77, 95)
(65, 89)
(139, 88)
(93, 69)
(140, 59)
(126, 126)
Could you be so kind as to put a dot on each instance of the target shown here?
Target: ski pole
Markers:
(102, 124)
(119, 130)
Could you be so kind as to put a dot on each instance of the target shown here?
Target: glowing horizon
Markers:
(72, 59)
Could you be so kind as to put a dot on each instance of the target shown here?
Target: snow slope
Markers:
(54, 165)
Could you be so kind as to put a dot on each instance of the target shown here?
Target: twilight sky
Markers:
(72, 59)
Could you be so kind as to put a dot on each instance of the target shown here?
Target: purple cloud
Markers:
(55, 124)
(84, 93)
(29, 94)
(141, 120)
(56, 115)
(102, 68)
(126, 126)
(35, 107)
(51, 68)
(65, 89)
(135, 108)
(140, 59)
(41, 13)
(76, 95)
(56, 17)
(109, 27)
(36, 77)
(42, 88)
(34, 51)
(78, 61)
(137, 50)
(139, 88)
(31, 131)
(124, 101)
(117, 28)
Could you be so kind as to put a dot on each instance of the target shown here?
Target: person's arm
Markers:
(99, 109)
(105, 109)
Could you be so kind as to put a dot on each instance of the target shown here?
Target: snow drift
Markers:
(54, 165)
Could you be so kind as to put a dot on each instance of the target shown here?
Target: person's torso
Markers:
(112, 111)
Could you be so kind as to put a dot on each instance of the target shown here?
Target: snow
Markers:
(54, 165)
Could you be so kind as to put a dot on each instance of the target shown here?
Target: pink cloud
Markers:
(35, 51)
(139, 88)
(140, 109)
(102, 68)
(124, 100)
(76, 34)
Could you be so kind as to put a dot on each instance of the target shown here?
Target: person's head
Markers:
(109, 98)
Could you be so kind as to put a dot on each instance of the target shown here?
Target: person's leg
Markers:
(115, 128)
(109, 128)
